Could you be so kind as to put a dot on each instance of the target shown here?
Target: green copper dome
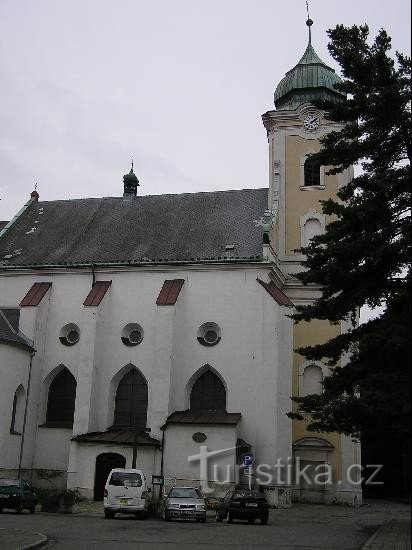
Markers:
(311, 79)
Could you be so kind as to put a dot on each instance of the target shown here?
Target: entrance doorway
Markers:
(104, 463)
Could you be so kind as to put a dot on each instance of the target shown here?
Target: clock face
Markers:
(311, 123)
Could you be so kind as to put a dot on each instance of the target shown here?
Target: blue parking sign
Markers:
(247, 460)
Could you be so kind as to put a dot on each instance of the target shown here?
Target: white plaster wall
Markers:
(179, 446)
(253, 356)
(52, 448)
(14, 369)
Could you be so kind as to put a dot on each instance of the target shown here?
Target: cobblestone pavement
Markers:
(378, 525)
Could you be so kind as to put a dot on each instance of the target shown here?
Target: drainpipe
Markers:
(32, 352)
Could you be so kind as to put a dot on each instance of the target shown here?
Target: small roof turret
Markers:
(130, 183)
(311, 79)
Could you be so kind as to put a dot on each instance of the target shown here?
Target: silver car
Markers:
(185, 503)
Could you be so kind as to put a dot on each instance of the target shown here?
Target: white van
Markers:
(126, 492)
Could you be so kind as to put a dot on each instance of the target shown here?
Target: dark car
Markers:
(17, 494)
(243, 504)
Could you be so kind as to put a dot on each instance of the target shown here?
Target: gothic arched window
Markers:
(311, 172)
(208, 393)
(17, 414)
(62, 397)
(130, 408)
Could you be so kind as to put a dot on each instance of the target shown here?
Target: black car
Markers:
(17, 494)
(243, 504)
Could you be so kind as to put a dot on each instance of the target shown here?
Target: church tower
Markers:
(296, 186)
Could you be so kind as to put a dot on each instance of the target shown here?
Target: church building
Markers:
(159, 325)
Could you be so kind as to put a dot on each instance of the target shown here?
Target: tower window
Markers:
(311, 172)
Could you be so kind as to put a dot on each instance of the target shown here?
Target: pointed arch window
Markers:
(311, 172)
(208, 393)
(61, 399)
(130, 407)
(17, 413)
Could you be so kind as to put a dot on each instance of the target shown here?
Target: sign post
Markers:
(248, 461)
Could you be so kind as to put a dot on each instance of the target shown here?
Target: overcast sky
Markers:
(177, 85)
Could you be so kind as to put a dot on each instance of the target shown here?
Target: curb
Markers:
(38, 544)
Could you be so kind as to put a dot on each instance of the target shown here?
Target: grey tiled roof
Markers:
(9, 328)
(155, 228)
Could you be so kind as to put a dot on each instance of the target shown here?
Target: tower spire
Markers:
(309, 22)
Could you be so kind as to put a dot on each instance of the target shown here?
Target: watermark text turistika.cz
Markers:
(282, 472)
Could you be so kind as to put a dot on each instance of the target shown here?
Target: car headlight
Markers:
(200, 507)
(14, 495)
(173, 506)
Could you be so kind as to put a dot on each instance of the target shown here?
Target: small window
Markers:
(208, 334)
(311, 172)
(69, 334)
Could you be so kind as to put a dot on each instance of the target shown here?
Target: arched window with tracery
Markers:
(311, 172)
(208, 393)
(61, 399)
(130, 408)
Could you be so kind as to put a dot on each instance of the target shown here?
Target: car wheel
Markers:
(264, 521)
(251, 520)
(219, 517)
(1, 510)
(108, 514)
(166, 516)
(32, 509)
(19, 509)
(229, 518)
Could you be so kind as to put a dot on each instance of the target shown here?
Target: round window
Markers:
(199, 437)
(209, 334)
(132, 334)
(69, 334)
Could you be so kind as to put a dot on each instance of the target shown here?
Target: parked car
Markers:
(126, 492)
(243, 504)
(185, 503)
(17, 494)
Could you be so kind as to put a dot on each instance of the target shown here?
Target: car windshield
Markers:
(9, 482)
(124, 479)
(185, 493)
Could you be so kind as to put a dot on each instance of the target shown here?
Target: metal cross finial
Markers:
(132, 165)
(309, 22)
(35, 186)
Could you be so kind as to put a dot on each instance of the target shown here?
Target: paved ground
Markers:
(303, 527)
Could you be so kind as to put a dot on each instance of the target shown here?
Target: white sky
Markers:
(177, 85)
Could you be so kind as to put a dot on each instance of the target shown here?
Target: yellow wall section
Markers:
(305, 334)
(298, 202)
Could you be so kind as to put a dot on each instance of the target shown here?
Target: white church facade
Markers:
(161, 324)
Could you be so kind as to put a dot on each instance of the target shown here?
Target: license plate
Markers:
(124, 501)
(251, 504)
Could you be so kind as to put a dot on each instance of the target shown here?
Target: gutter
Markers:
(81, 265)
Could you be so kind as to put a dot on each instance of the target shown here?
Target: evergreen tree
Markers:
(363, 258)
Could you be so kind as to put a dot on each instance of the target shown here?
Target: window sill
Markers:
(12, 432)
(66, 425)
(312, 187)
